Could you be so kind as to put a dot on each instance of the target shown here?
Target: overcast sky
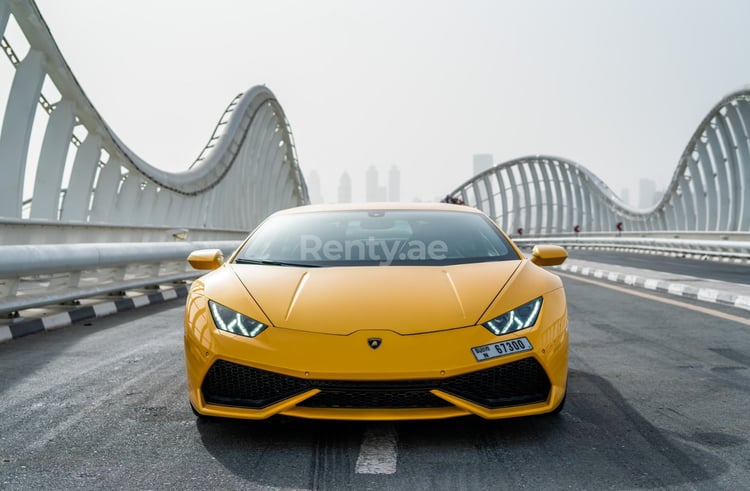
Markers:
(617, 86)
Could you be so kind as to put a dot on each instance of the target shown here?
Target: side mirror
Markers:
(206, 258)
(548, 255)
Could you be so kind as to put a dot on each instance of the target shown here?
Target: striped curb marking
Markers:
(63, 319)
(680, 289)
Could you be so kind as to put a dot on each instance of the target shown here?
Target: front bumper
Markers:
(424, 376)
(513, 384)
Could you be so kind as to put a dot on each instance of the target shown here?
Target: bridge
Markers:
(88, 229)
(96, 218)
(546, 195)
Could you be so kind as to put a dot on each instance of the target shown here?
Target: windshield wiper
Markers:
(269, 262)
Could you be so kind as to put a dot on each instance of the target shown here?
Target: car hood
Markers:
(403, 299)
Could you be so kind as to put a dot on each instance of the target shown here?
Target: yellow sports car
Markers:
(377, 312)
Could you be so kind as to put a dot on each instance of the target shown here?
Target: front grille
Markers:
(364, 395)
(513, 384)
(520, 382)
(230, 384)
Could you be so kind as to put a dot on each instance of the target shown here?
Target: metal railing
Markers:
(14, 231)
(42, 275)
(713, 245)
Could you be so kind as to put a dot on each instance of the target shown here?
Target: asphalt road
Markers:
(658, 399)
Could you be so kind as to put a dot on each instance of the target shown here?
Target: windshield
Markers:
(376, 237)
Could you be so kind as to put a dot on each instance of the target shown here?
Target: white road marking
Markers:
(379, 452)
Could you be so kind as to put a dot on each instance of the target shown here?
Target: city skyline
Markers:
(646, 193)
(372, 189)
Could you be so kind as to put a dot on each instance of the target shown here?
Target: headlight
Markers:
(230, 321)
(515, 320)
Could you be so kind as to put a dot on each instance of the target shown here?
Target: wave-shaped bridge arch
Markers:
(247, 170)
(548, 195)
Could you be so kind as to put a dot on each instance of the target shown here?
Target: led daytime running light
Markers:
(230, 321)
(517, 319)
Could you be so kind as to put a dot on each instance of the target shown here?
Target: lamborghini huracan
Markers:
(377, 312)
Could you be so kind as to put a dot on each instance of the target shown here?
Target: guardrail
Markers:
(721, 247)
(17, 231)
(41, 275)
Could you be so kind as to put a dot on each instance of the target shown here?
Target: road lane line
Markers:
(378, 453)
(676, 303)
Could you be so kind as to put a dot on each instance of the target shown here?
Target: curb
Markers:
(50, 323)
(710, 295)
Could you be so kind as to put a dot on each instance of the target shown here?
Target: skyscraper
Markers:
(394, 184)
(313, 187)
(345, 188)
(373, 190)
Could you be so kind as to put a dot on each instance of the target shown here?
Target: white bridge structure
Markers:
(542, 195)
(95, 217)
(82, 215)
(251, 153)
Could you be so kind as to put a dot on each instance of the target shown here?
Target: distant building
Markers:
(345, 188)
(371, 183)
(394, 184)
(373, 190)
(482, 162)
(313, 187)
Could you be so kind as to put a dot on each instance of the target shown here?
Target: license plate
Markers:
(501, 348)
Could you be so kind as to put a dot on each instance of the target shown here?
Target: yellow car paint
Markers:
(426, 318)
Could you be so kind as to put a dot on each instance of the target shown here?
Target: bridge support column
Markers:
(49, 174)
(127, 199)
(105, 193)
(712, 211)
(742, 113)
(76, 202)
(16, 132)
